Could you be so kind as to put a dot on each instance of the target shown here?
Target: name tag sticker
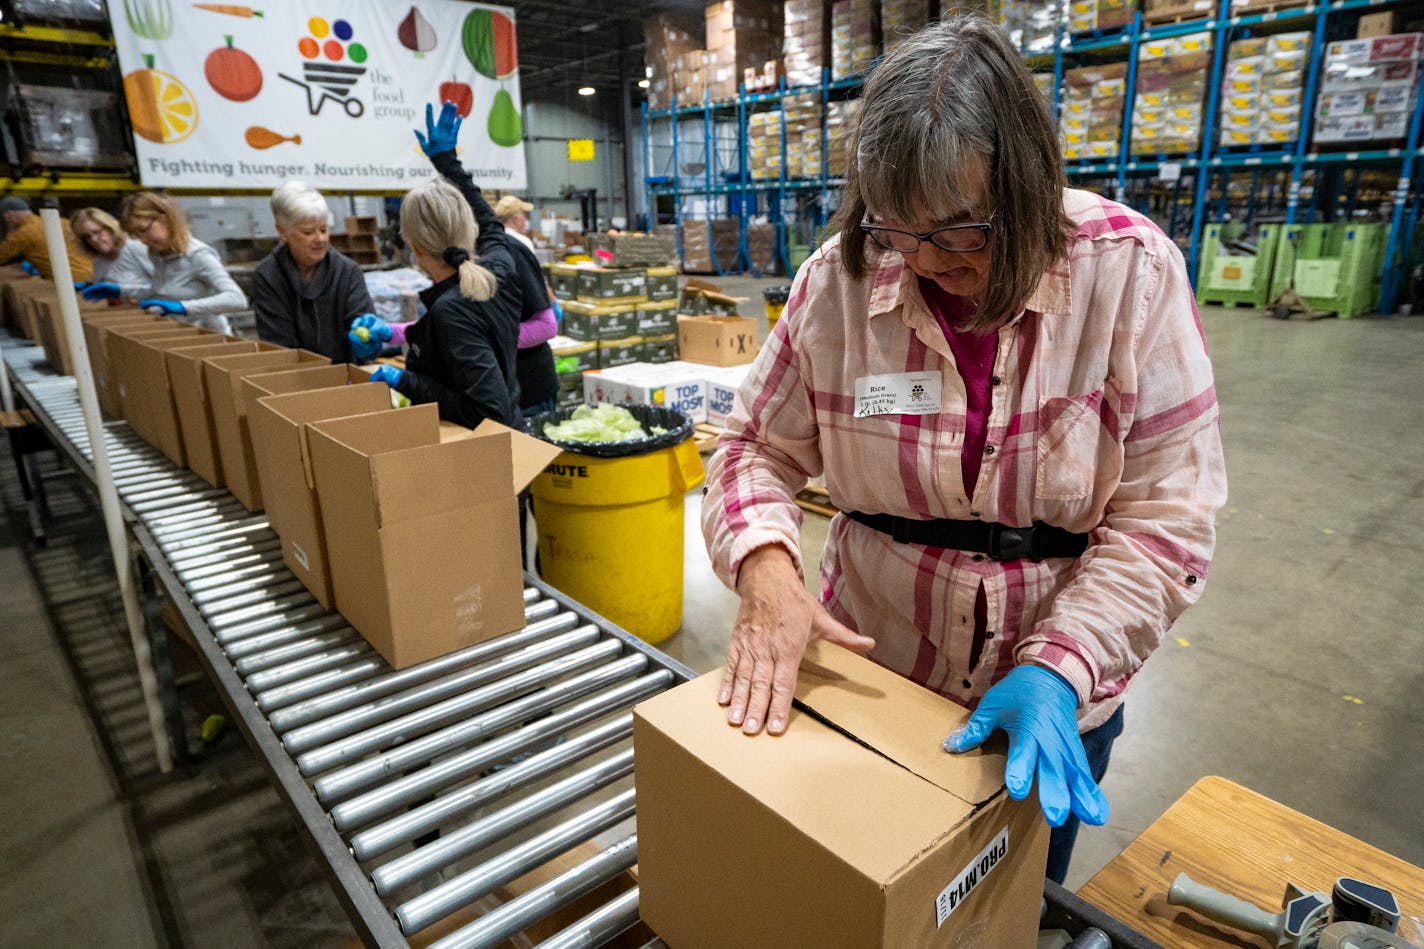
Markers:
(898, 393)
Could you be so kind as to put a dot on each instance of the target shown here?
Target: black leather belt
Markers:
(999, 541)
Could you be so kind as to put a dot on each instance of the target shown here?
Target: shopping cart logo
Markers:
(331, 66)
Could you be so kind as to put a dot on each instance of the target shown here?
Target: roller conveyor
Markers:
(422, 790)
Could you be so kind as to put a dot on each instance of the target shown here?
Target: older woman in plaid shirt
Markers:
(1006, 387)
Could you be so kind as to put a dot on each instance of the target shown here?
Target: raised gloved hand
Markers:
(390, 375)
(34, 271)
(369, 335)
(440, 136)
(166, 307)
(101, 291)
(1036, 708)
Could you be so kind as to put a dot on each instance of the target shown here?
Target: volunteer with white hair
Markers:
(306, 294)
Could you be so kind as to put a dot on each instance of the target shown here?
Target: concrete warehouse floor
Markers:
(1298, 675)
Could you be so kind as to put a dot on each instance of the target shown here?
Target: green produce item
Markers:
(150, 19)
(212, 727)
(363, 334)
(505, 126)
(600, 423)
(477, 38)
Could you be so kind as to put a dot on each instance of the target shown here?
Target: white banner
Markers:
(224, 96)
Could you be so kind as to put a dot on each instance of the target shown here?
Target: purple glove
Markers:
(390, 375)
(1037, 709)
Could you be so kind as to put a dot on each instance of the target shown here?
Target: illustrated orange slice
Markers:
(161, 108)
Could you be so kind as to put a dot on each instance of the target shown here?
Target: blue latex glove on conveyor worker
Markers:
(440, 136)
(388, 374)
(31, 269)
(1037, 708)
(166, 307)
(368, 336)
(101, 291)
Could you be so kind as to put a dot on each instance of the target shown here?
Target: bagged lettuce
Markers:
(600, 423)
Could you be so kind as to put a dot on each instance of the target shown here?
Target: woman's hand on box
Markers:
(776, 621)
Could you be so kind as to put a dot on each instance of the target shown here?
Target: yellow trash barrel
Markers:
(774, 299)
(611, 528)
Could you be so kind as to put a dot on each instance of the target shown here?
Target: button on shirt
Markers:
(1103, 418)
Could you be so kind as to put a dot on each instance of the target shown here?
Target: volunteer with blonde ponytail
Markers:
(461, 354)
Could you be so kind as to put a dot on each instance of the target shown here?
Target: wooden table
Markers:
(1231, 838)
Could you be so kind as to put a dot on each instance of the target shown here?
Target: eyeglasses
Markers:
(957, 238)
(141, 231)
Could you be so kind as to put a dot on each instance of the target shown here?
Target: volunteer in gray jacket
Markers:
(189, 280)
(306, 294)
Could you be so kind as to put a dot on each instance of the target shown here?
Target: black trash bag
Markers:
(678, 425)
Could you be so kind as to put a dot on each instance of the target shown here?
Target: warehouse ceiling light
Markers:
(585, 90)
(643, 83)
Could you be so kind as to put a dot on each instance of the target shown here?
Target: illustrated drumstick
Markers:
(259, 137)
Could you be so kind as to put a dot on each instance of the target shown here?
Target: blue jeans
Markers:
(1098, 745)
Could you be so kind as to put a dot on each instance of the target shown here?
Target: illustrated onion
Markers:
(415, 32)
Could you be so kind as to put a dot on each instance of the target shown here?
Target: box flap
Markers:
(530, 455)
(316, 405)
(297, 380)
(850, 693)
(413, 483)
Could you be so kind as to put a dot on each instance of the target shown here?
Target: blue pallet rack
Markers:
(1115, 176)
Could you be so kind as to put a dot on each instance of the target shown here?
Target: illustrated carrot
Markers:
(229, 8)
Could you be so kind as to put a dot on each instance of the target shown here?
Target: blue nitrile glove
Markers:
(1036, 708)
(29, 268)
(390, 375)
(439, 136)
(558, 311)
(80, 284)
(369, 335)
(166, 307)
(102, 291)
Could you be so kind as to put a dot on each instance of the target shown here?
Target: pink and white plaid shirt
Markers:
(1104, 419)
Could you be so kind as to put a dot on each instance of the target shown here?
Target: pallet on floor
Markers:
(705, 435)
(814, 498)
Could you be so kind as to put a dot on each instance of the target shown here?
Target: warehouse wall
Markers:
(548, 127)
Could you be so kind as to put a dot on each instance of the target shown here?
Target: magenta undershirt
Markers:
(974, 358)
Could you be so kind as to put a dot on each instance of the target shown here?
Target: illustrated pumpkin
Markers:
(232, 73)
(490, 45)
(460, 94)
(161, 109)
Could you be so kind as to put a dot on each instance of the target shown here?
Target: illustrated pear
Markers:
(505, 126)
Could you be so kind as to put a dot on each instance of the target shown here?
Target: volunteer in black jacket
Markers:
(461, 354)
(538, 385)
(304, 293)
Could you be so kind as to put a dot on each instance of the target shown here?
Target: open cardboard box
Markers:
(94, 324)
(190, 398)
(222, 377)
(125, 383)
(150, 400)
(421, 527)
(277, 422)
(853, 829)
(717, 340)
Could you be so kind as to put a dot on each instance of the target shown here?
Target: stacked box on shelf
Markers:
(739, 37)
(1246, 7)
(1085, 16)
(803, 135)
(1090, 121)
(603, 286)
(855, 37)
(1171, 11)
(1167, 103)
(764, 145)
(761, 247)
(899, 19)
(563, 280)
(840, 121)
(806, 33)
(659, 349)
(702, 239)
(689, 77)
(665, 38)
(1033, 25)
(619, 352)
(657, 318)
(1261, 93)
(1368, 88)
(572, 357)
(1043, 81)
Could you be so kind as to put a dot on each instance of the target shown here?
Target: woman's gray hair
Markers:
(954, 106)
(297, 201)
(435, 217)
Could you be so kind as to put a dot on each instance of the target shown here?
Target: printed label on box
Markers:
(953, 896)
(301, 556)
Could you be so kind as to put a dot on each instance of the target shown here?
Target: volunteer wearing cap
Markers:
(513, 213)
(25, 241)
(460, 354)
(305, 293)
(116, 258)
(1006, 388)
(189, 280)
